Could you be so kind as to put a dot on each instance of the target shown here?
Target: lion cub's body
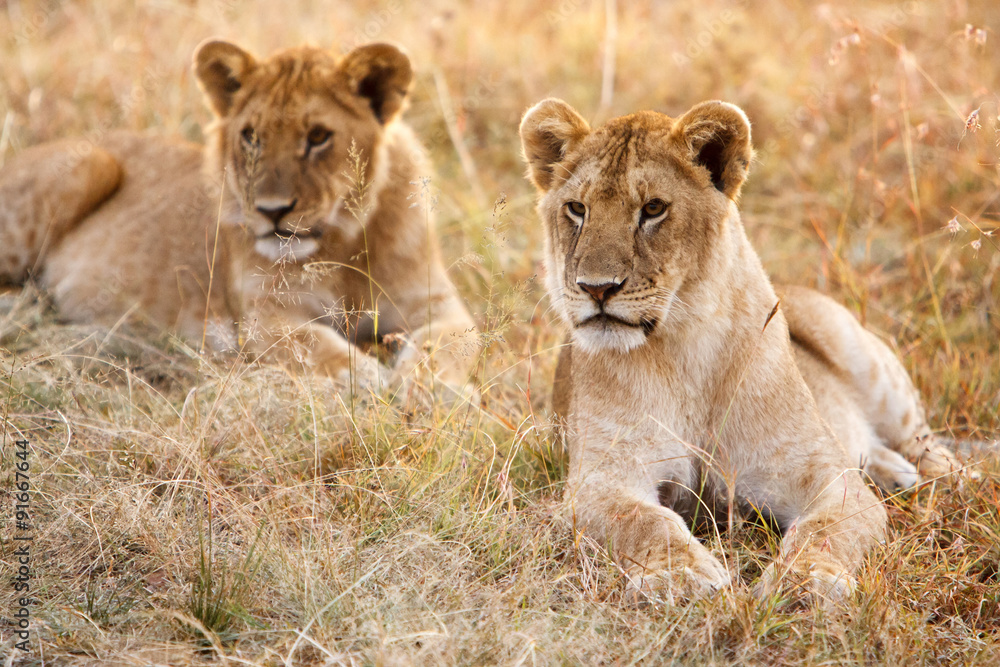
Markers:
(284, 236)
(683, 391)
(144, 247)
(862, 392)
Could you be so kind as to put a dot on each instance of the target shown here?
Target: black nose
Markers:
(603, 292)
(277, 213)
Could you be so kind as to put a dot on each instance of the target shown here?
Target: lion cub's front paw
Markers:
(824, 582)
(698, 574)
(364, 375)
(448, 383)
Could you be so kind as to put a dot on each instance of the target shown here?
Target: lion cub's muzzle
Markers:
(286, 221)
(603, 312)
(281, 230)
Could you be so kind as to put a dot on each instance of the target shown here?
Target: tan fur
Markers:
(284, 236)
(683, 392)
(863, 393)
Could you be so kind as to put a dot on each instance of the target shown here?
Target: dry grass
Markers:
(193, 511)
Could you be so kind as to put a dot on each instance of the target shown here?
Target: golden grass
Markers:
(195, 511)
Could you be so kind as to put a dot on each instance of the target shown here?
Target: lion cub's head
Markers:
(284, 132)
(632, 210)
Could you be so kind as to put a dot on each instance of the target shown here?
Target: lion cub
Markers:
(295, 234)
(683, 392)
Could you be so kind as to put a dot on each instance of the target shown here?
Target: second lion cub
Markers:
(292, 235)
(682, 388)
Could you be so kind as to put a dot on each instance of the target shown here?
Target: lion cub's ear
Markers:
(717, 135)
(380, 73)
(548, 131)
(221, 68)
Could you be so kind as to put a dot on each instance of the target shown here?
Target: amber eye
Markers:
(576, 209)
(249, 135)
(318, 136)
(654, 208)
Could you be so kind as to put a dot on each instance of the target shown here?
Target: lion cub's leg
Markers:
(832, 519)
(651, 542)
(446, 347)
(318, 348)
(614, 498)
(885, 393)
(44, 192)
(330, 354)
(799, 476)
(840, 406)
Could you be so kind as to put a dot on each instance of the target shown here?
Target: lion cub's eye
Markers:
(576, 210)
(653, 211)
(318, 136)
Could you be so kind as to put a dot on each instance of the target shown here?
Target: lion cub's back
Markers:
(864, 367)
(44, 191)
(147, 247)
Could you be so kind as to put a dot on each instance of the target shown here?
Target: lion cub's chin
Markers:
(601, 336)
(291, 249)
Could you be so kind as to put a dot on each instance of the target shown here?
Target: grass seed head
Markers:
(972, 122)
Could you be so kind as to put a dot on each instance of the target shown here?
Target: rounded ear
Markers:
(381, 74)
(221, 68)
(717, 137)
(548, 130)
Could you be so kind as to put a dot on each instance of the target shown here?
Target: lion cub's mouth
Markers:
(606, 321)
(292, 234)
(283, 245)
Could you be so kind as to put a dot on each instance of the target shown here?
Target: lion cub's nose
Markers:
(275, 211)
(601, 292)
